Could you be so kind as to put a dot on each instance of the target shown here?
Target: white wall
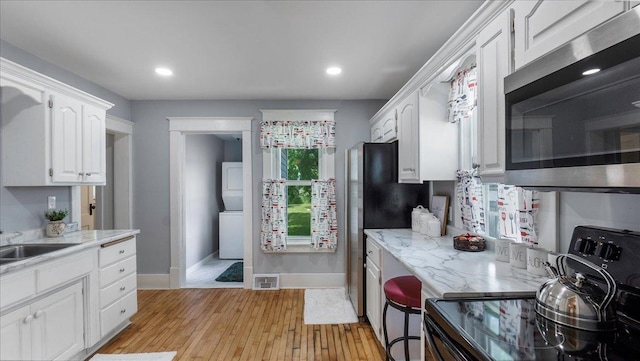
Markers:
(203, 164)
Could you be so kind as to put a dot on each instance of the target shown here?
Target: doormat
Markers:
(232, 274)
(150, 356)
(327, 306)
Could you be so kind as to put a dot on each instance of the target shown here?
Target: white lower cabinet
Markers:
(118, 287)
(374, 289)
(49, 329)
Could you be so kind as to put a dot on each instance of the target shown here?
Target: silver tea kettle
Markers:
(574, 301)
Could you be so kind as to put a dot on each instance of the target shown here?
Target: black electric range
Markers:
(510, 329)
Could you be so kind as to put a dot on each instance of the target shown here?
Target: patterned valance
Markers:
(324, 215)
(462, 95)
(298, 134)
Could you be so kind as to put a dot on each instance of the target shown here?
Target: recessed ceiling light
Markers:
(164, 71)
(334, 70)
(590, 71)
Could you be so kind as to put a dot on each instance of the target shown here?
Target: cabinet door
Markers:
(58, 325)
(493, 54)
(15, 341)
(389, 127)
(543, 25)
(66, 139)
(408, 140)
(94, 144)
(373, 296)
(376, 132)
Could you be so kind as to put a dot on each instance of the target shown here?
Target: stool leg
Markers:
(384, 328)
(406, 336)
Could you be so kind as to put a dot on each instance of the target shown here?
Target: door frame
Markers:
(122, 129)
(179, 127)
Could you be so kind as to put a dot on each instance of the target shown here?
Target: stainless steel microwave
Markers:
(573, 116)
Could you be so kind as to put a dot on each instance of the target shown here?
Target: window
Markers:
(298, 200)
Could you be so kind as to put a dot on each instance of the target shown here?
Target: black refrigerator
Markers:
(374, 199)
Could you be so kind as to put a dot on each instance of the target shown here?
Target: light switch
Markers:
(51, 202)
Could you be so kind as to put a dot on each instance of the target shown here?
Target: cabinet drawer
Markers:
(16, 287)
(65, 269)
(111, 293)
(117, 271)
(117, 252)
(373, 252)
(118, 312)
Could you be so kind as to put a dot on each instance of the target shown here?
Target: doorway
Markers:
(213, 214)
(179, 129)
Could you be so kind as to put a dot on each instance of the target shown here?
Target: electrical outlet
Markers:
(51, 202)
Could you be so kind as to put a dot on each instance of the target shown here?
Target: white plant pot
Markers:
(56, 228)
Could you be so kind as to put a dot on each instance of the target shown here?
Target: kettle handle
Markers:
(612, 288)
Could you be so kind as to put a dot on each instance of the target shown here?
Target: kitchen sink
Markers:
(19, 252)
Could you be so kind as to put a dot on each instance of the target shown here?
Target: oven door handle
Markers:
(429, 327)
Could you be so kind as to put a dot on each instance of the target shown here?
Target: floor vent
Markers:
(266, 281)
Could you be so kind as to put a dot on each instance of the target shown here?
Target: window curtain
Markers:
(273, 235)
(470, 199)
(463, 94)
(298, 134)
(324, 215)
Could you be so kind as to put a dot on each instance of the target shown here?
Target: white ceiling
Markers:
(237, 49)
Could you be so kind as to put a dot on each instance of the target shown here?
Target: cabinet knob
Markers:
(123, 310)
(122, 288)
(370, 252)
(121, 270)
(28, 319)
(475, 165)
(121, 251)
(38, 314)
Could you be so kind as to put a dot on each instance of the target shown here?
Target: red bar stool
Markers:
(403, 294)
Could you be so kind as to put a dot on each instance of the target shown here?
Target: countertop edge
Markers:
(81, 240)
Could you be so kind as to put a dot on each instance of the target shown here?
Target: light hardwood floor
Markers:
(239, 324)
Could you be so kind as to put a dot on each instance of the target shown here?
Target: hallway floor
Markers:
(204, 276)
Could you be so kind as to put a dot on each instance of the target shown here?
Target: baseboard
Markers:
(312, 280)
(287, 280)
(153, 281)
(201, 262)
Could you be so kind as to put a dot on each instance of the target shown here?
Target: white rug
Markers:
(152, 356)
(327, 306)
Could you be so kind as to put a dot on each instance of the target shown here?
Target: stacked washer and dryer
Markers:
(231, 225)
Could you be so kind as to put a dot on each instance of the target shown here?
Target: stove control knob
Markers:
(608, 251)
(589, 246)
(579, 245)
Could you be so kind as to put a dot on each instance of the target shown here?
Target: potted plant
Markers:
(55, 227)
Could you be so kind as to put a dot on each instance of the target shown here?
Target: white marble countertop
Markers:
(80, 239)
(449, 273)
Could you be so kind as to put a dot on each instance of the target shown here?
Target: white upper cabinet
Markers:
(376, 131)
(493, 55)
(52, 134)
(390, 126)
(542, 26)
(409, 140)
(385, 129)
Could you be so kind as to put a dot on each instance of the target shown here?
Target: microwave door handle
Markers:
(452, 350)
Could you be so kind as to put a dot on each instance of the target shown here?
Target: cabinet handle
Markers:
(80, 174)
(38, 314)
(370, 252)
(121, 251)
(122, 288)
(123, 310)
(28, 319)
(475, 166)
(87, 174)
(121, 270)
